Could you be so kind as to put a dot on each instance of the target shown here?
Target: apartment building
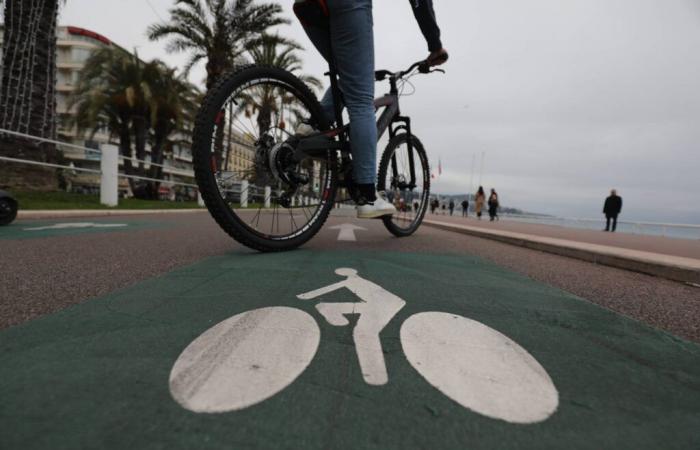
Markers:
(74, 47)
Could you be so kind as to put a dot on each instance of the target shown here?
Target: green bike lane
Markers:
(98, 375)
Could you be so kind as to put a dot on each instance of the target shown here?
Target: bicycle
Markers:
(242, 146)
(253, 356)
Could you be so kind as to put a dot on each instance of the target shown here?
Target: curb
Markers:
(70, 213)
(686, 270)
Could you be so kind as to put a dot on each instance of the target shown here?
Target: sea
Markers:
(678, 231)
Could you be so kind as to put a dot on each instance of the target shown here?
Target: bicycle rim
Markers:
(408, 190)
(255, 188)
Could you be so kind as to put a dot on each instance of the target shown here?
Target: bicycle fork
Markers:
(377, 308)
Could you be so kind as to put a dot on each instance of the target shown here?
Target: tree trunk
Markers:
(156, 158)
(140, 130)
(28, 91)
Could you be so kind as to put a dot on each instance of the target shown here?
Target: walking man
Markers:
(452, 206)
(611, 209)
(465, 208)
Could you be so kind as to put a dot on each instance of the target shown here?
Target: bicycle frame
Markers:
(390, 119)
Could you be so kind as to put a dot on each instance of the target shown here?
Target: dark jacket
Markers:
(613, 205)
(425, 15)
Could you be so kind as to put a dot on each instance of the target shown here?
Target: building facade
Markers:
(74, 47)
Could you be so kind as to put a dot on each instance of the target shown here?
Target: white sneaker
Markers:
(380, 208)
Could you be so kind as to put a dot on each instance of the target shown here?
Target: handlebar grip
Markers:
(381, 75)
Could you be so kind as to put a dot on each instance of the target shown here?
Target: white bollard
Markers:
(244, 194)
(268, 195)
(200, 200)
(109, 179)
(294, 201)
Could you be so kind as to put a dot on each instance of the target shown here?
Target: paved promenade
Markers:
(671, 258)
(163, 326)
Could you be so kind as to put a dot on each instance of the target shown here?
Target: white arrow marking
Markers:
(64, 226)
(347, 231)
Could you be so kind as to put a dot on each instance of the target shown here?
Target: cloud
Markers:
(567, 99)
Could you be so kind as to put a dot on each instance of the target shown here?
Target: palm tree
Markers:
(268, 103)
(134, 101)
(216, 31)
(113, 93)
(173, 106)
(27, 89)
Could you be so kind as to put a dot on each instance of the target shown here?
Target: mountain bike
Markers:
(272, 190)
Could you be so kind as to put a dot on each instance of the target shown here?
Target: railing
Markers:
(109, 158)
(147, 164)
(109, 167)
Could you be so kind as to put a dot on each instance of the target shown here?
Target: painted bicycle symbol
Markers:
(253, 356)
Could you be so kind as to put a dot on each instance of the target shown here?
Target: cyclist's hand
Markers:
(438, 57)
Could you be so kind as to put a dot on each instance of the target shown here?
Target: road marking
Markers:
(377, 308)
(244, 360)
(77, 225)
(479, 368)
(252, 356)
(347, 231)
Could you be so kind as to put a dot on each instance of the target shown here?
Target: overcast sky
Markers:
(566, 98)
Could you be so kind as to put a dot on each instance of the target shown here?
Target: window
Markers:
(80, 55)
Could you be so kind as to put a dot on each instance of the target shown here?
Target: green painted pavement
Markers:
(96, 375)
(35, 229)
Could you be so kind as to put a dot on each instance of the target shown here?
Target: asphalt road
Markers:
(41, 275)
(162, 332)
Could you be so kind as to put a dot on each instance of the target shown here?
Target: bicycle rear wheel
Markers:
(251, 181)
(404, 174)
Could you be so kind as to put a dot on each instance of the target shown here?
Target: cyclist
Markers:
(349, 25)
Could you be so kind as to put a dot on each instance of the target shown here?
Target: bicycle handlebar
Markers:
(423, 67)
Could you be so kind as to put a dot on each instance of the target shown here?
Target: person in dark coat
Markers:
(452, 206)
(465, 208)
(612, 209)
(493, 205)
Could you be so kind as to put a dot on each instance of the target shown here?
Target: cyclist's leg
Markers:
(319, 36)
(352, 40)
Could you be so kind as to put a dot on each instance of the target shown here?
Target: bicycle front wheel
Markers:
(252, 181)
(404, 174)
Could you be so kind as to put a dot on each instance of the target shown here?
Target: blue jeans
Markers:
(352, 44)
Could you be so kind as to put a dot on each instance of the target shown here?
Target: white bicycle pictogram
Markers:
(253, 356)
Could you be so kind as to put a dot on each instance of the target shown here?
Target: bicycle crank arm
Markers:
(316, 147)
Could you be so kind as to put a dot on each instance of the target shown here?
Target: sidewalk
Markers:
(675, 259)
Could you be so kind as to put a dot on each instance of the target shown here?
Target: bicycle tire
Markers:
(391, 147)
(201, 150)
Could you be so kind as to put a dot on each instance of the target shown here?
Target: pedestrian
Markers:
(612, 209)
(443, 206)
(452, 206)
(465, 208)
(480, 200)
(493, 205)
(415, 207)
(433, 206)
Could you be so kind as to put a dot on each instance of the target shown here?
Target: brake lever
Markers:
(438, 70)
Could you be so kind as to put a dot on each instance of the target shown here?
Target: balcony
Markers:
(75, 65)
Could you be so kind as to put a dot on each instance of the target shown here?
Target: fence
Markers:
(240, 191)
(110, 159)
